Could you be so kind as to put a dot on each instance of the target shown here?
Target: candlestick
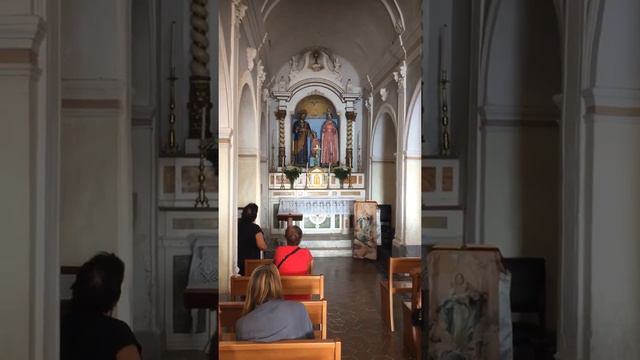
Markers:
(204, 123)
(171, 63)
(443, 47)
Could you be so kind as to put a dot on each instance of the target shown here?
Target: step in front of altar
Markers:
(327, 245)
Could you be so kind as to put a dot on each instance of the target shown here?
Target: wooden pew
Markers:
(229, 312)
(291, 285)
(252, 264)
(390, 287)
(413, 333)
(281, 350)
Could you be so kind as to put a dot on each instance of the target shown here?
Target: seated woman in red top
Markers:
(292, 259)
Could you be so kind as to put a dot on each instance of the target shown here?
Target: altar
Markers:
(325, 204)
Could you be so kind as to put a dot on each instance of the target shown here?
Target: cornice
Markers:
(21, 32)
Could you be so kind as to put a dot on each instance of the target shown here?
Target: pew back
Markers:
(281, 350)
(230, 311)
(291, 285)
(389, 287)
(252, 264)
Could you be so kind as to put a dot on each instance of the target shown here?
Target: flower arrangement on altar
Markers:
(292, 173)
(341, 172)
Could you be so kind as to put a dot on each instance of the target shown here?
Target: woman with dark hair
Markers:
(250, 236)
(266, 316)
(89, 331)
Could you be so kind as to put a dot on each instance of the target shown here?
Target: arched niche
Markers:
(334, 101)
(383, 159)
(248, 145)
(315, 108)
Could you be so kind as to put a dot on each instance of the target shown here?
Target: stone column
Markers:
(351, 117)
(280, 115)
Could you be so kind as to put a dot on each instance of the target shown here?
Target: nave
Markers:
(353, 294)
(351, 288)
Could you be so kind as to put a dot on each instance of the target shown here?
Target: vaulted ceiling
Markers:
(361, 31)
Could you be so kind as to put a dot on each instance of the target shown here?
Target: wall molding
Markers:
(93, 89)
(21, 32)
(18, 56)
(603, 98)
(518, 116)
(225, 133)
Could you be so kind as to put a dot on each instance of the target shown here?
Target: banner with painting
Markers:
(365, 229)
(463, 300)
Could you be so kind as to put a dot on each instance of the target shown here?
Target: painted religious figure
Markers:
(315, 149)
(365, 230)
(463, 310)
(301, 135)
(330, 152)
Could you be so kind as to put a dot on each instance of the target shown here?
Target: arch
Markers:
(322, 90)
(593, 33)
(223, 85)
(485, 47)
(393, 9)
(308, 103)
(383, 159)
(248, 122)
(412, 134)
(315, 82)
(385, 108)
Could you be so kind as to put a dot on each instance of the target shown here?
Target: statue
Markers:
(315, 149)
(301, 132)
(330, 152)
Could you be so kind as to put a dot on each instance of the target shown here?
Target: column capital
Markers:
(239, 11)
(280, 114)
(351, 115)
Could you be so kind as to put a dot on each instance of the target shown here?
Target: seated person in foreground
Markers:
(89, 331)
(291, 259)
(266, 316)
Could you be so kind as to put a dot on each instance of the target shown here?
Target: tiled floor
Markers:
(353, 294)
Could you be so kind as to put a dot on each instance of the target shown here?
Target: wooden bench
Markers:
(230, 312)
(390, 287)
(281, 350)
(291, 285)
(252, 264)
(413, 333)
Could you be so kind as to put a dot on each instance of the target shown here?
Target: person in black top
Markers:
(89, 331)
(250, 236)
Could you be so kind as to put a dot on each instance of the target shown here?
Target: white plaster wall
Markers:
(521, 67)
(521, 145)
(88, 39)
(96, 177)
(383, 187)
(247, 181)
(88, 186)
(15, 265)
(144, 283)
(521, 198)
(413, 215)
(15, 7)
(614, 248)
(618, 44)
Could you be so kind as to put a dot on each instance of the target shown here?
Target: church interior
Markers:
(144, 128)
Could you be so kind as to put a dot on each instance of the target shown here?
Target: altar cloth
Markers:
(316, 206)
